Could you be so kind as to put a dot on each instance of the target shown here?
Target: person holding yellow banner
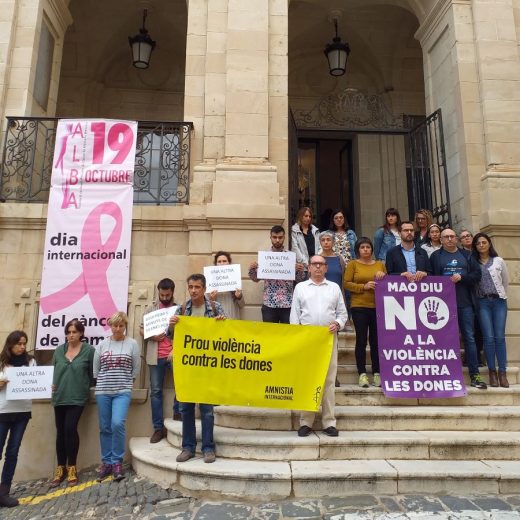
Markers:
(200, 306)
(318, 301)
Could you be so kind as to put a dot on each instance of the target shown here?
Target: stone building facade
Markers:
(271, 129)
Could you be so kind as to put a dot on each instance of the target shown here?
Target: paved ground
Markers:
(137, 498)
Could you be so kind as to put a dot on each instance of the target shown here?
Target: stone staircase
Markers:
(385, 446)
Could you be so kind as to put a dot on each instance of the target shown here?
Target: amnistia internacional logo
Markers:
(433, 313)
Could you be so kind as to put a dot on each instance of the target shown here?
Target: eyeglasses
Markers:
(462, 237)
(318, 264)
(450, 237)
(407, 230)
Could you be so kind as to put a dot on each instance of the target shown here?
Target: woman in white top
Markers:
(434, 239)
(14, 415)
(305, 237)
(231, 301)
(492, 297)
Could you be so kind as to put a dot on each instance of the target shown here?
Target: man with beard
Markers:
(159, 354)
(408, 259)
(277, 297)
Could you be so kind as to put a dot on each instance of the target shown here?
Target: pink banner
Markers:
(87, 243)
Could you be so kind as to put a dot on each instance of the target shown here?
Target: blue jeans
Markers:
(466, 318)
(492, 314)
(15, 429)
(112, 412)
(189, 439)
(157, 373)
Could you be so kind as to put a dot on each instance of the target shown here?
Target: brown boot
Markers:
(493, 378)
(503, 380)
(5, 499)
(59, 476)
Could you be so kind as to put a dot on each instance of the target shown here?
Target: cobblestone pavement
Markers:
(138, 498)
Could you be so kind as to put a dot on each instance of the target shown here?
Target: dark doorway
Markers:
(324, 178)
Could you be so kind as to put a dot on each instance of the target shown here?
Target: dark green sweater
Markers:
(72, 379)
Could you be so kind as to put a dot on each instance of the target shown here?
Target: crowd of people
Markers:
(336, 276)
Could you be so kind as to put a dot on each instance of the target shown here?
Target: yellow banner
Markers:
(248, 363)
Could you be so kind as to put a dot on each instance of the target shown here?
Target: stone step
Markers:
(267, 480)
(370, 418)
(348, 374)
(282, 445)
(353, 395)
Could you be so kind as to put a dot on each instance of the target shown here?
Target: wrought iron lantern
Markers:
(337, 54)
(142, 46)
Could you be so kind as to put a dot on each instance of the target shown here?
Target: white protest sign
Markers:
(29, 382)
(156, 322)
(276, 266)
(223, 278)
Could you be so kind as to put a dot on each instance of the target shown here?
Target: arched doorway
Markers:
(350, 132)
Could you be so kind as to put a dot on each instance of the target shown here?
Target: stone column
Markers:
(496, 41)
(472, 72)
(246, 188)
(451, 83)
(19, 44)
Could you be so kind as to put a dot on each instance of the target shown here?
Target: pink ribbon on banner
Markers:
(93, 280)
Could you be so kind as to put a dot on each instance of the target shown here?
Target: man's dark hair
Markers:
(407, 222)
(166, 284)
(197, 277)
(277, 229)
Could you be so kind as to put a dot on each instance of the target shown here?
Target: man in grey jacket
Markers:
(159, 355)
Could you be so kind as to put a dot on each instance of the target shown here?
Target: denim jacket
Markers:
(383, 242)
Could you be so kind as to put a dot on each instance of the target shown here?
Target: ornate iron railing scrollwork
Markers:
(426, 169)
(162, 161)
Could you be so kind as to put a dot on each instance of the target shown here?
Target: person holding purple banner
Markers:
(408, 259)
(492, 294)
(465, 273)
(360, 279)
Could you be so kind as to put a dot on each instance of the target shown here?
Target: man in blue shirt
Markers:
(407, 259)
(465, 273)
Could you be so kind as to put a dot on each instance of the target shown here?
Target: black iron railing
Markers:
(426, 169)
(162, 161)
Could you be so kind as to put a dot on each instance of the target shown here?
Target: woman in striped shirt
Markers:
(117, 363)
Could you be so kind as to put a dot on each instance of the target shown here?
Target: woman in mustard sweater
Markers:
(360, 279)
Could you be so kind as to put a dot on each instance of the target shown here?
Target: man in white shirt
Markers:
(320, 302)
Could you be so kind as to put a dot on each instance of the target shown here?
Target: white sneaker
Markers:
(363, 381)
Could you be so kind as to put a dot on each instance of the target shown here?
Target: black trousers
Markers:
(67, 437)
(365, 322)
(275, 315)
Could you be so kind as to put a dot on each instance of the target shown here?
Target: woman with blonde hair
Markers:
(304, 237)
(423, 221)
(117, 363)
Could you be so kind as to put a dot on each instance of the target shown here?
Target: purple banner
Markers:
(418, 334)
